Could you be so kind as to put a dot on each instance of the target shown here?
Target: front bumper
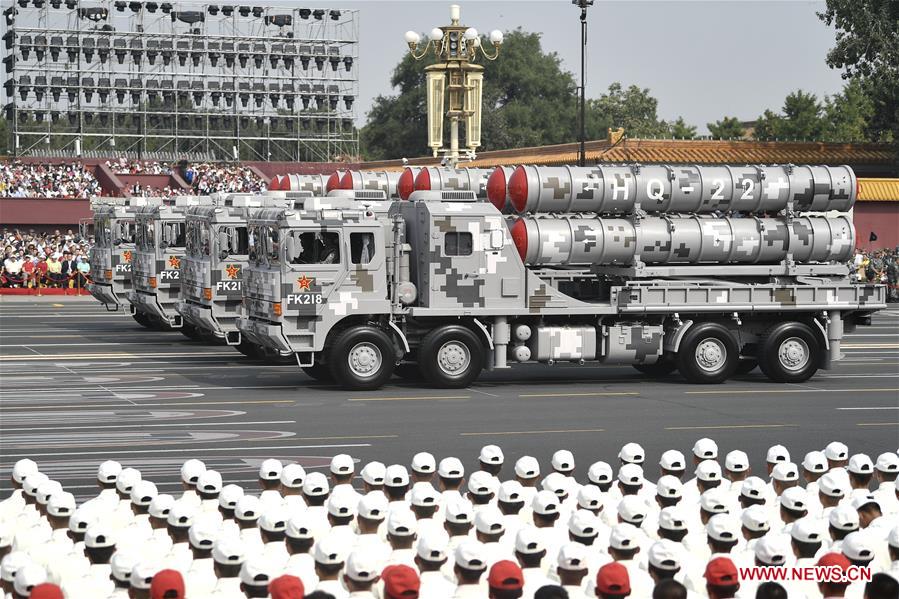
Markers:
(105, 295)
(147, 303)
(263, 333)
(200, 316)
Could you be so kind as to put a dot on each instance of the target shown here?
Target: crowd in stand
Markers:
(879, 266)
(55, 259)
(148, 191)
(435, 531)
(207, 178)
(123, 166)
(66, 181)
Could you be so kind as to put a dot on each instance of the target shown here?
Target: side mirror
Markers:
(223, 254)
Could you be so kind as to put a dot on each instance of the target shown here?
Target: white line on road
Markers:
(184, 449)
(872, 408)
(14, 428)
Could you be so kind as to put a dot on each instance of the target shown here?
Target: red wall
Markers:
(881, 218)
(26, 212)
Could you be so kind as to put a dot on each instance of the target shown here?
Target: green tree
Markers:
(633, 108)
(729, 127)
(847, 115)
(679, 129)
(801, 119)
(5, 143)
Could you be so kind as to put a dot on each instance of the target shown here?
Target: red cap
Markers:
(406, 184)
(834, 559)
(286, 587)
(346, 182)
(519, 232)
(721, 572)
(496, 188)
(400, 582)
(46, 591)
(333, 182)
(505, 576)
(423, 180)
(518, 189)
(612, 579)
(167, 581)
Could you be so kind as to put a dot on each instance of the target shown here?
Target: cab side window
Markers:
(362, 247)
(457, 244)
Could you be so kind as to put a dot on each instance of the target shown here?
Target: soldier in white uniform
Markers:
(199, 578)
(401, 534)
(270, 481)
(482, 489)
(298, 540)
(329, 561)
(491, 459)
(343, 469)
(121, 563)
(361, 574)
(489, 530)
(624, 548)
(272, 529)
(373, 474)
(190, 476)
(458, 523)
(450, 476)
(885, 472)
(673, 463)
(572, 569)
(837, 454)
(255, 575)
(527, 473)
(530, 552)
(396, 484)
(430, 559)
(841, 521)
(470, 564)
(424, 467)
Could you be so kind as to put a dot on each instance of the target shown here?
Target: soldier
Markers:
(721, 578)
(491, 459)
(841, 521)
(122, 563)
(673, 463)
(371, 513)
(424, 466)
(272, 529)
(530, 551)
(451, 475)
(396, 484)
(861, 471)
(489, 530)
(373, 477)
(505, 580)
(255, 576)
(572, 568)
(401, 582)
(270, 481)
(329, 560)
(292, 477)
(298, 540)
(142, 578)
(470, 565)
(613, 582)
(837, 454)
(431, 556)
(458, 521)
(401, 534)
(201, 574)
(361, 575)
(190, 476)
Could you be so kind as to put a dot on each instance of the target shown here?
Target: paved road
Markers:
(80, 385)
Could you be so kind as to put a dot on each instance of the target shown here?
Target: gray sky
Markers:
(701, 59)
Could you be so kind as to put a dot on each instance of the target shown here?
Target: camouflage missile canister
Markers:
(498, 188)
(686, 189)
(456, 179)
(312, 183)
(385, 181)
(406, 184)
(333, 181)
(681, 240)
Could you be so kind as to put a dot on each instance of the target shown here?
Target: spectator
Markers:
(63, 181)
(44, 259)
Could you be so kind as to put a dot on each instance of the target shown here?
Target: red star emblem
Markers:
(305, 282)
(127, 255)
(233, 271)
(174, 262)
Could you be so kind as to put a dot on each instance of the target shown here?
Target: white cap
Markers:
(292, 476)
(673, 460)
(329, 551)
(248, 508)
(7, 535)
(203, 533)
(528, 540)
(708, 471)
(572, 556)
(300, 526)
(424, 494)
(83, 516)
(342, 464)
(815, 461)
(256, 571)
(270, 469)
(401, 523)
(470, 555)
(785, 472)
(373, 473)
(273, 519)
(433, 546)
(556, 483)
(860, 464)
(108, 471)
(143, 492)
(632, 509)
(589, 497)
(545, 503)
(705, 449)
(794, 499)
(46, 490)
(126, 479)
(191, 471)
(316, 485)
(808, 530)
(489, 521)
(753, 487)
(630, 474)
(99, 535)
(228, 551)
(450, 468)
(584, 523)
(142, 574)
(672, 518)
(61, 505)
(887, 462)
(736, 461)
(181, 515)
(424, 463)
(723, 528)
(510, 491)
(28, 577)
(210, 482)
(482, 483)
(161, 505)
(772, 549)
(844, 517)
(860, 500)
(527, 467)
(11, 563)
(342, 504)
(664, 555)
(33, 481)
(22, 469)
(777, 453)
(491, 454)
(714, 501)
(563, 461)
(624, 537)
(893, 538)
(121, 564)
(755, 518)
(836, 451)
(459, 511)
(373, 506)
(229, 496)
(670, 486)
(858, 546)
(599, 473)
(833, 485)
(632, 453)
(397, 476)
(362, 566)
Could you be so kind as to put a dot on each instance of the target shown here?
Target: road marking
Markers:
(413, 398)
(71, 357)
(182, 450)
(569, 430)
(877, 424)
(858, 376)
(593, 394)
(872, 408)
(871, 345)
(727, 426)
(751, 391)
(14, 428)
(147, 389)
(129, 405)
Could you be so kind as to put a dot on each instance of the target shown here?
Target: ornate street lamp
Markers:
(456, 79)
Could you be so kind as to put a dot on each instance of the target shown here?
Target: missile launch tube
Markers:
(606, 189)
(406, 184)
(682, 240)
(385, 181)
(498, 188)
(314, 183)
(457, 179)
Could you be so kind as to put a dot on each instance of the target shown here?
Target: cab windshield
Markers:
(145, 236)
(173, 234)
(198, 239)
(102, 232)
(232, 241)
(123, 232)
(263, 244)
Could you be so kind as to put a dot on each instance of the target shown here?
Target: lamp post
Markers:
(456, 79)
(582, 108)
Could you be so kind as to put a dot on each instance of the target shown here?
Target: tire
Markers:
(320, 372)
(663, 367)
(451, 357)
(789, 353)
(708, 354)
(143, 320)
(746, 365)
(362, 358)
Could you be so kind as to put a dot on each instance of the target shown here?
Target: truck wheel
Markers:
(320, 372)
(143, 320)
(789, 353)
(663, 367)
(362, 358)
(746, 365)
(708, 354)
(451, 357)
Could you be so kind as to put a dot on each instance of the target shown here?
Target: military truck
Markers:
(704, 270)
(113, 249)
(160, 238)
